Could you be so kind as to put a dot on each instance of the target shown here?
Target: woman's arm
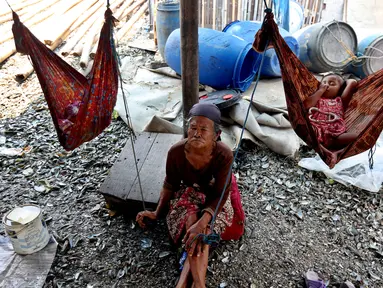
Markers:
(313, 99)
(165, 196)
(350, 89)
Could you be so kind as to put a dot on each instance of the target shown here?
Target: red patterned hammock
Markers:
(363, 116)
(81, 107)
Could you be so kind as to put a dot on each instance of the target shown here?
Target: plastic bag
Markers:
(354, 170)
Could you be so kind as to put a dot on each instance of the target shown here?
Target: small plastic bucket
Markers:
(26, 228)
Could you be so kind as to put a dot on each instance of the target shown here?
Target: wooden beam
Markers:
(189, 57)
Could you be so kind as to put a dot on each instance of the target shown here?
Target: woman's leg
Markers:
(185, 274)
(196, 265)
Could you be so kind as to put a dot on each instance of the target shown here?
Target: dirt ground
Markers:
(296, 219)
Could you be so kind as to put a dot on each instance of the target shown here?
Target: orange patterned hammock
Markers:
(363, 116)
(81, 107)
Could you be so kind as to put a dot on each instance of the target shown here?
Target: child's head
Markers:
(336, 85)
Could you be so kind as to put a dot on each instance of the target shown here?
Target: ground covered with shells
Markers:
(296, 219)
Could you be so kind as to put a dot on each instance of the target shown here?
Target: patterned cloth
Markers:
(81, 107)
(189, 201)
(327, 119)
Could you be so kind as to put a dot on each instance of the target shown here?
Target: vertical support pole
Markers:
(189, 56)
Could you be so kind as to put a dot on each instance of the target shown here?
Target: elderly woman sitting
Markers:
(196, 173)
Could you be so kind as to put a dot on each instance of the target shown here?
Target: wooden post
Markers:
(189, 56)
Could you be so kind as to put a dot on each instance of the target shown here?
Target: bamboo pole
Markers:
(18, 7)
(93, 15)
(128, 25)
(77, 50)
(7, 51)
(11, 49)
(8, 17)
(24, 74)
(66, 20)
(118, 15)
(92, 36)
(131, 9)
(87, 70)
(29, 20)
(122, 9)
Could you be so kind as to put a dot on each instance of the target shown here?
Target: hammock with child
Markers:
(81, 107)
(363, 116)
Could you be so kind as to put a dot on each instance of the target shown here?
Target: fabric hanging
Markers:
(81, 107)
(364, 114)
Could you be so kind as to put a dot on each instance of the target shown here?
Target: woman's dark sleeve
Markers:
(172, 179)
(220, 176)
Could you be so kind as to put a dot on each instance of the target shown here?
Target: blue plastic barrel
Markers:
(326, 46)
(167, 20)
(247, 31)
(225, 61)
(370, 52)
(296, 16)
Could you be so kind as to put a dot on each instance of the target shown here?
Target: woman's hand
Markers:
(141, 217)
(193, 243)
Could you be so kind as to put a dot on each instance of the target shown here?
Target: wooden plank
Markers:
(153, 172)
(146, 44)
(214, 13)
(239, 10)
(320, 11)
(203, 14)
(123, 173)
(314, 12)
(255, 10)
(225, 14)
(234, 2)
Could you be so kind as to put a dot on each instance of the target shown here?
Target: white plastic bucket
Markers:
(26, 228)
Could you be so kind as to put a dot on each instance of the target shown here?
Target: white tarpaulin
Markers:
(154, 96)
(354, 170)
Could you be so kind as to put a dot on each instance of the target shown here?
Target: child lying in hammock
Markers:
(70, 114)
(326, 111)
